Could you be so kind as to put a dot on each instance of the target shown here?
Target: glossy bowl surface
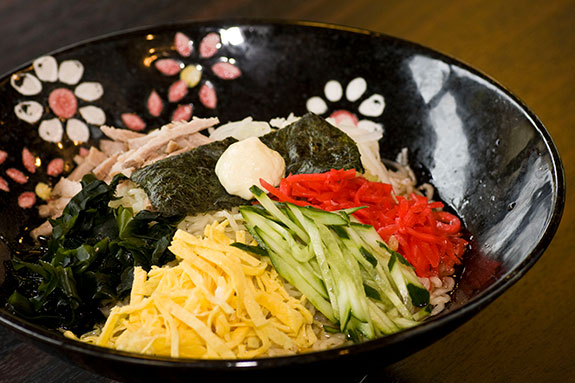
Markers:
(489, 157)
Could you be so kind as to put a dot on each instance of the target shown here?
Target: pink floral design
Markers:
(19, 173)
(190, 69)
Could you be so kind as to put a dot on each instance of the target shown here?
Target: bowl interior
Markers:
(488, 156)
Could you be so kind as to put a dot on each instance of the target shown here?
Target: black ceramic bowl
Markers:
(488, 155)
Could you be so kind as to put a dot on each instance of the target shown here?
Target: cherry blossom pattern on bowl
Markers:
(60, 105)
(190, 68)
(68, 102)
(20, 174)
(355, 91)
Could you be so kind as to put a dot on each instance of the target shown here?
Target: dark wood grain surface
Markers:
(526, 335)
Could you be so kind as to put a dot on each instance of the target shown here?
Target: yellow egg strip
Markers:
(199, 327)
(137, 293)
(171, 325)
(198, 280)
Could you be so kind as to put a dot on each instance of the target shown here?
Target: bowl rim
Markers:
(455, 317)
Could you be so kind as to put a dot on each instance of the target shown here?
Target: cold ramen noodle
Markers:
(251, 239)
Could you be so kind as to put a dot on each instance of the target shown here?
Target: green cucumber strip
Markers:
(423, 313)
(381, 275)
(401, 286)
(354, 225)
(351, 210)
(263, 229)
(385, 285)
(322, 217)
(295, 213)
(354, 335)
(293, 217)
(417, 292)
(314, 265)
(398, 257)
(250, 249)
(366, 237)
(367, 233)
(404, 322)
(398, 279)
(370, 292)
(401, 274)
(340, 231)
(296, 279)
(302, 268)
(249, 214)
(368, 256)
(299, 252)
(331, 329)
(277, 213)
(391, 262)
(317, 246)
(342, 284)
(352, 248)
(367, 330)
(381, 320)
(349, 277)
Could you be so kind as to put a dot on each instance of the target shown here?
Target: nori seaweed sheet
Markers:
(313, 145)
(187, 183)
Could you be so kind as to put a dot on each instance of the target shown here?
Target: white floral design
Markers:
(62, 101)
(355, 90)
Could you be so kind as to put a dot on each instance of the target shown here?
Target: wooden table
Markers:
(527, 334)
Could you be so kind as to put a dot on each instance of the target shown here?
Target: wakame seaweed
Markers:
(89, 259)
(187, 183)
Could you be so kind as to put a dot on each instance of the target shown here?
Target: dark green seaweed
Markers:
(89, 259)
(187, 183)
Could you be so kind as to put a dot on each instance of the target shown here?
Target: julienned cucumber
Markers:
(341, 266)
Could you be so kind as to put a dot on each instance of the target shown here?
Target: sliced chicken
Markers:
(66, 188)
(101, 171)
(110, 147)
(122, 135)
(93, 159)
